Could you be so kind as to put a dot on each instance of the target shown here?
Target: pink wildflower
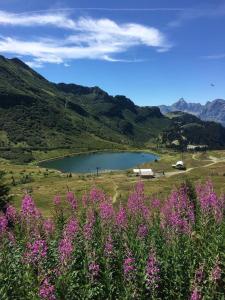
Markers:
(29, 209)
(129, 266)
(88, 227)
(11, 238)
(47, 290)
(96, 195)
(136, 199)
(3, 223)
(57, 200)
(152, 271)
(216, 273)
(11, 213)
(65, 250)
(209, 202)
(121, 218)
(48, 226)
(199, 274)
(71, 228)
(72, 200)
(178, 212)
(36, 251)
(195, 295)
(155, 203)
(106, 211)
(108, 246)
(94, 269)
(142, 231)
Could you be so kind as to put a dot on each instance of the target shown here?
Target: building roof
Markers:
(144, 172)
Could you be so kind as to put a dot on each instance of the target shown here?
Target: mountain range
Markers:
(211, 111)
(39, 115)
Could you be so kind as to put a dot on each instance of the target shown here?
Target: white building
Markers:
(179, 165)
(144, 172)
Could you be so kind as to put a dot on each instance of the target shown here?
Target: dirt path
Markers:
(116, 194)
(214, 160)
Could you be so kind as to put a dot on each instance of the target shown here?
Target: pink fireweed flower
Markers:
(178, 212)
(199, 274)
(65, 250)
(57, 200)
(88, 231)
(216, 273)
(97, 195)
(129, 267)
(145, 212)
(71, 228)
(136, 202)
(94, 269)
(29, 209)
(36, 251)
(48, 226)
(72, 200)
(142, 231)
(47, 290)
(106, 211)
(3, 223)
(11, 213)
(195, 295)
(88, 227)
(121, 218)
(11, 238)
(108, 246)
(155, 203)
(209, 202)
(152, 271)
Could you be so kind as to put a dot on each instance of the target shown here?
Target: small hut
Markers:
(145, 173)
(179, 165)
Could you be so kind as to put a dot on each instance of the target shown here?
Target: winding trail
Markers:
(214, 160)
(116, 194)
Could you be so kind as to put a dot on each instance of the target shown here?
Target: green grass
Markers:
(45, 185)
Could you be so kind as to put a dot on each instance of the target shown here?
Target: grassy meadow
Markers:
(44, 184)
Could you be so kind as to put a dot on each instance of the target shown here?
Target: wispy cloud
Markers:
(215, 56)
(87, 38)
(190, 14)
(37, 19)
(116, 9)
(34, 64)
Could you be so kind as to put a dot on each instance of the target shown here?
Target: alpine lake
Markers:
(99, 162)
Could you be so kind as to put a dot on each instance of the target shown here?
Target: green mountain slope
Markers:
(35, 112)
(38, 114)
(187, 129)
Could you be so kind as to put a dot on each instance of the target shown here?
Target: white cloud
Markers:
(56, 19)
(88, 38)
(34, 64)
(190, 14)
(215, 56)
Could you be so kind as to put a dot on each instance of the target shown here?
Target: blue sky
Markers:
(151, 51)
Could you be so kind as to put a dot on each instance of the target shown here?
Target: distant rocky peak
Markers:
(211, 111)
(181, 101)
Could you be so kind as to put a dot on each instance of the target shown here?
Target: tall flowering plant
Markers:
(139, 249)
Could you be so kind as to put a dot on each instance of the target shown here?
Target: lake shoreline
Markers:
(106, 163)
(37, 162)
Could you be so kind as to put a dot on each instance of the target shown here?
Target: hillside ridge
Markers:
(36, 114)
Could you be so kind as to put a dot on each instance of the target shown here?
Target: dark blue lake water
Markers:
(105, 161)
